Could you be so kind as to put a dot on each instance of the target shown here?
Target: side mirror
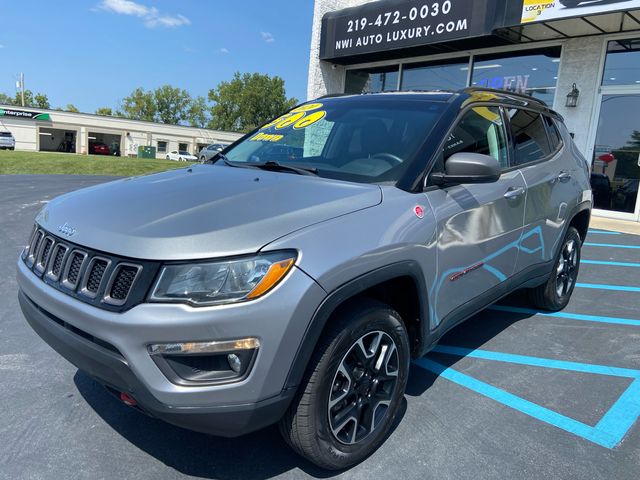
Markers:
(467, 167)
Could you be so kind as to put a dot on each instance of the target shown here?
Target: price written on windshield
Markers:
(427, 10)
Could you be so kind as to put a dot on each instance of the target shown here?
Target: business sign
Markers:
(10, 112)
(540, 11)
(396, 24)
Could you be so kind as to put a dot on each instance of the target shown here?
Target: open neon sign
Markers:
(511, 83)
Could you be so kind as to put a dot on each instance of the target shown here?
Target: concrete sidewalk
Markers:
(615, 225)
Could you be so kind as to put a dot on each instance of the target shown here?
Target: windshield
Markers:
(370, 140)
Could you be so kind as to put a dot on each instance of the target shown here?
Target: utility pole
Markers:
(22, 87)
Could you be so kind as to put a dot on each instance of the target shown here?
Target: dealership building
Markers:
(583, 58)
(41, 130)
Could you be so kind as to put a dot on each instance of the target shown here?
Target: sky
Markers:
(93, 53)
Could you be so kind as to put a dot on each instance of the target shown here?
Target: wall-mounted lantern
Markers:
(572, 97)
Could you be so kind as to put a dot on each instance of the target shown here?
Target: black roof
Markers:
(460, 97)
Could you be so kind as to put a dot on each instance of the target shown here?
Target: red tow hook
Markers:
(128, 399)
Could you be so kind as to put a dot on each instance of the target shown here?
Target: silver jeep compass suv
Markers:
(293, 279)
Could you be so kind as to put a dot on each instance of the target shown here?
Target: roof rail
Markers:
(523, 96)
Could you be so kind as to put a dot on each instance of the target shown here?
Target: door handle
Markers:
(564, 177)
(514, 192)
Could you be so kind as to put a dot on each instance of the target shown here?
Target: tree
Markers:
(634, 143)
(41, 101)
(197, 113)
(247, 101)
(5, 99)
(140, 105)
(171, 104)
(28, 99)
(105, 111)
(71, 108)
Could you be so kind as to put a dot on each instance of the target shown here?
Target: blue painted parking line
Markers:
(611, 245)
(603, 232)
(598, 286)
(570, 316)
(608, 432)
(614, 264)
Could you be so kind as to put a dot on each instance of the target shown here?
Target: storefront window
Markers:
(532, 72)
(623, 63)
(430, 76)
(372, 80)
(616, 161)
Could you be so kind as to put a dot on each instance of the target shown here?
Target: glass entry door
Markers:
(616, 155)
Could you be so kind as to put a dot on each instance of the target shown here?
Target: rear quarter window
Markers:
(554, 134)
(529, 133)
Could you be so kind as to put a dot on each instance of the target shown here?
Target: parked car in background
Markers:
(7, 141)
(181, 156)
(99, 148)
(601, 188)
(208, 152)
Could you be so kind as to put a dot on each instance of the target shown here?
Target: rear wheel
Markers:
(556, 292)
(353, 388)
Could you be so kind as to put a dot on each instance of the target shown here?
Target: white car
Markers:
(7, 141)
(181, 156)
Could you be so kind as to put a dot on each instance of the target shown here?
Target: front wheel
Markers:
(353, 389)
(556, 292)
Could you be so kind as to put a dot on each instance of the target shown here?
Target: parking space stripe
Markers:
(608, 432)
(615, 264)
(611, 245)
(510, 400)
(538, 361)
(598, 286)
(603, 232)
(570, 316)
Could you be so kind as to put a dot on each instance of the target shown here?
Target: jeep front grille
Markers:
(103, 280)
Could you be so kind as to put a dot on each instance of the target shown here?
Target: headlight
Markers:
(212, 283)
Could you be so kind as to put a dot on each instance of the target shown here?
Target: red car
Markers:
(99, 149)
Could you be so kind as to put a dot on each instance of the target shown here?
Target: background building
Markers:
(541, 48)
(55, 131)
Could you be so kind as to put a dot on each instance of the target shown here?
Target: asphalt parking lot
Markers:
(510, 393)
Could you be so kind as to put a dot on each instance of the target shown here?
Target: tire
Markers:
(307, 426)
(202, 159)
(168, 157)
(556, 292)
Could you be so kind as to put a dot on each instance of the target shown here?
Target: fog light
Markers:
(234, 362)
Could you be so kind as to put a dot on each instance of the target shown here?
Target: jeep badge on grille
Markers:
(67, 230)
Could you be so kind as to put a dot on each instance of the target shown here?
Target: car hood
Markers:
(200, 212)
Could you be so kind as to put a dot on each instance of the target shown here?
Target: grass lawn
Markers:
(12, 162)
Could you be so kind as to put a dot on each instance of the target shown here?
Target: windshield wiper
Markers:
(273, 165)
(225, 159)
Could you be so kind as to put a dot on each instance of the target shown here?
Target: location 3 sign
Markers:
(391, 25)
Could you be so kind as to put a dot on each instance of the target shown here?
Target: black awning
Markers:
(390, 29)
(393, 28)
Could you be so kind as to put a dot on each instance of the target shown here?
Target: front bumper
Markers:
(112, 347)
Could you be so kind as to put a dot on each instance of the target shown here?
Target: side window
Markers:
(529, 136)
(479, 131)
(554, 134)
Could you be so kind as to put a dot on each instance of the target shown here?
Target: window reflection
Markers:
(430, 76)
(534, 72)
(623, 63)
(616, 159)
(372, 80)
